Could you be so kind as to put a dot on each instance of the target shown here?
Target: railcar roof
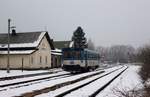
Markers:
(72, 49)
(91, 51)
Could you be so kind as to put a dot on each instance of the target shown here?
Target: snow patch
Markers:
(18, 52)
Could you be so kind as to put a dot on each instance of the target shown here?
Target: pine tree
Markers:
(79, 39)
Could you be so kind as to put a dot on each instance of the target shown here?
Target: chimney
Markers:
(14, 32)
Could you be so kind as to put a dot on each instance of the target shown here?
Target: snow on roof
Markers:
(57, 50)
(55, 53)
(18, 52)
(71, 44)
(34, 44)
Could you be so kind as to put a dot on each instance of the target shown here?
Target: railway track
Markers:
(104, 86)
(27, 75)
(57, 86)
(54, 87)
(13, 85)
(89, 82)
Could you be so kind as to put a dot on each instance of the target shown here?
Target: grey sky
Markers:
(106, 22)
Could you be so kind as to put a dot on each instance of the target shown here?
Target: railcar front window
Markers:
(67, 54)
(72, 54)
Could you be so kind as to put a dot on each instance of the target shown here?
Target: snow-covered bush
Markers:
(125, 92)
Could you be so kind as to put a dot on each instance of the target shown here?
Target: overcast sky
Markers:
(106, 22)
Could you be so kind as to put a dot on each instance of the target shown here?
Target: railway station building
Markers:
(28, 50)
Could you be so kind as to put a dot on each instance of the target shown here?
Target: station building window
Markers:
(46, 59)
(31, 60)
(40, 59)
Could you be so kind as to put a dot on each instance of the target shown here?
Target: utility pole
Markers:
(8, 49)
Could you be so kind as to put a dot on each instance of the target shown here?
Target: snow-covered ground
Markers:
(3, 73)
(86, 91)
(127, 81)
(20, 90)
(80, 92)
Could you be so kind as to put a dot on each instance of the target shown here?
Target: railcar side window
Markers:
(77, 54)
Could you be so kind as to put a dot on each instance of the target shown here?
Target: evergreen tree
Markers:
(79, 39)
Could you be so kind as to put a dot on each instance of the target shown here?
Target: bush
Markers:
(144, 57)
(128, 92)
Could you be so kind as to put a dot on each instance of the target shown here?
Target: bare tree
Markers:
(91, 45)
(117, 53)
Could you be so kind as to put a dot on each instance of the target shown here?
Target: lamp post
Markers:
(8, 49)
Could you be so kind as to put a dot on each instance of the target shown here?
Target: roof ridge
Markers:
(26, 32)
